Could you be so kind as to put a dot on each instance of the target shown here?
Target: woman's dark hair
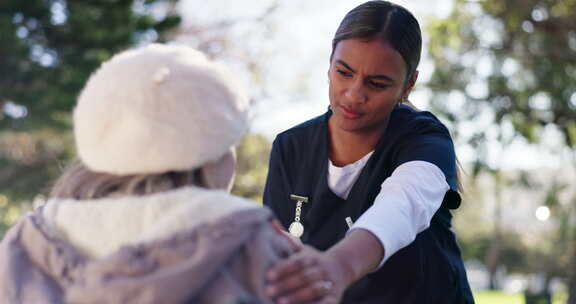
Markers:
(387, 21)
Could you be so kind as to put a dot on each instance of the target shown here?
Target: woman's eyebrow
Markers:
(381, 77)
(377, 77)
(340, 61)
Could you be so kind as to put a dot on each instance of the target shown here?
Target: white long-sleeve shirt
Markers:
(404, 206)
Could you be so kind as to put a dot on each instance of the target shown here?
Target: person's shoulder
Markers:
(206, 199)
(413, 120)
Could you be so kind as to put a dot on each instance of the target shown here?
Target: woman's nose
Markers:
(356, 93)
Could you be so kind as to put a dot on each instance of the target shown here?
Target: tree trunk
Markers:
(492, 259)
(572, 273)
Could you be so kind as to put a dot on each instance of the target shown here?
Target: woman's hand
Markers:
(309, 276)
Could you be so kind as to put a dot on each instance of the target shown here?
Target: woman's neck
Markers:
(347, 147)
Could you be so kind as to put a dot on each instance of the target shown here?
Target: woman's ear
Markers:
(407, 90)
(220, 173)
(410, 85)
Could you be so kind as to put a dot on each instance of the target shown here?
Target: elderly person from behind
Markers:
(144, 215)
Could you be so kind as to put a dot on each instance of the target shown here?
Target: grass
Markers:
(498, 297)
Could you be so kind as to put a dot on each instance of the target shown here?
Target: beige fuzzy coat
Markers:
(141, 250)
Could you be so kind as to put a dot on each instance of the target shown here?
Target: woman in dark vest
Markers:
(369, 185)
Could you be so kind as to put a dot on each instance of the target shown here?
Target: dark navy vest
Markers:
(429, 270)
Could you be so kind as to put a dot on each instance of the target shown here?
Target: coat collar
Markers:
(99, 227)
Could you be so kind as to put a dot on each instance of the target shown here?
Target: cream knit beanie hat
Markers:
(158, 108)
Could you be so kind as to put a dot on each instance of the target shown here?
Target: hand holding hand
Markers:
(309, 276)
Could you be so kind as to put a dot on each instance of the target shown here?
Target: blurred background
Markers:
(500, 74)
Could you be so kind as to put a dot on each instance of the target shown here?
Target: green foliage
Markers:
(512, 251)
(49, 48)
(513, 63)
(252, 166)
(524, 51)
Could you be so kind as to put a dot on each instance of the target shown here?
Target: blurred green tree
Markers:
(48, 50)
(512, 63)
(252, 166)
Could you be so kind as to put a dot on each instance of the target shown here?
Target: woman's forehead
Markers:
(369, 56)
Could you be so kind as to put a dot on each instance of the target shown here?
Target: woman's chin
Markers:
(350, 125)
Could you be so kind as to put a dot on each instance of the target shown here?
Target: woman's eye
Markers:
(343, 73)
(378, 85)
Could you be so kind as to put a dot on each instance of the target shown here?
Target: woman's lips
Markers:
(350, 114)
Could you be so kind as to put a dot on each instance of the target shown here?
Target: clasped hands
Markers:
(308, 276)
